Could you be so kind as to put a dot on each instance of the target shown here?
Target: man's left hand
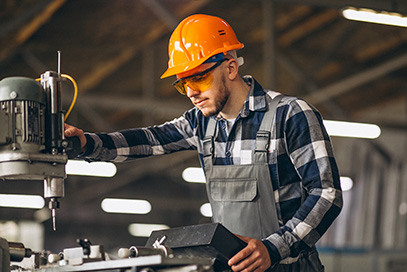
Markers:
(254, 257)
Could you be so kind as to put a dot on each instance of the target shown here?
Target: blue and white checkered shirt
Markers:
(302, 166)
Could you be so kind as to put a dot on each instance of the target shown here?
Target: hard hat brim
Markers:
(192, 65)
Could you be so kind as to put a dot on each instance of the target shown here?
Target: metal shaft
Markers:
(53, 190)
(54, 224)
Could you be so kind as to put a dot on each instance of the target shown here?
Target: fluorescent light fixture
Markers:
(352, 129)
(194, 175)
(22, 201)
(130, 206)
(144, 230)
(372, 16)
(206, 210)
(346, 183)
(84, 168)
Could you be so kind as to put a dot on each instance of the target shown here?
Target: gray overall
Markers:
(242, 196)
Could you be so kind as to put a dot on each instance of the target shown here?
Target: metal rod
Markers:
(59, 62)
(54, 225)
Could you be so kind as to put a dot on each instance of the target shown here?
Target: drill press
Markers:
(32, 141)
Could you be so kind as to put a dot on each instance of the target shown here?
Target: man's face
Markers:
(211, 101)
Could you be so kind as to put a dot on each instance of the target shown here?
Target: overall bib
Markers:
(242, 196)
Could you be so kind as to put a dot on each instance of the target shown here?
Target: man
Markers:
(271, 175)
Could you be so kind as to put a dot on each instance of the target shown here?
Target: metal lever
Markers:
(159, 243)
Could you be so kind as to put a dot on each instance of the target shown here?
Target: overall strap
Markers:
(208, 148)
(263, 134)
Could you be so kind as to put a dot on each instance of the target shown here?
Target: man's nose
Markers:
(192, 92)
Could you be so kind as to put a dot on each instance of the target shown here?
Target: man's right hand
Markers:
(71, 131)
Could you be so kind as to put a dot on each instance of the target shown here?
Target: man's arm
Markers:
(135, 143)
(309, 148)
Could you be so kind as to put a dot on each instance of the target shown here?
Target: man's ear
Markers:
(232, 68)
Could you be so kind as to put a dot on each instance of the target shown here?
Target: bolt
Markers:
(13, 94)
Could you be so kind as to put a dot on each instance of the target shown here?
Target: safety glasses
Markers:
(198, 82)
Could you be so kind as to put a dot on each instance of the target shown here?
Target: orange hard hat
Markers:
(196, 39)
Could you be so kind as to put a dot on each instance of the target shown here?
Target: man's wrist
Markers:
(273, 252)
(88, 148)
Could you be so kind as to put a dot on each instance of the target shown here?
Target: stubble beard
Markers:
(220, 99)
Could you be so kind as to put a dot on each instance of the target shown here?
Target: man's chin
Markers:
(208, 113)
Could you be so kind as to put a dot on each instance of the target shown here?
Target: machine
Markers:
(32, 141)
(199, 248)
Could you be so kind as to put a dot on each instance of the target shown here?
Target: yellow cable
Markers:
(75, 94)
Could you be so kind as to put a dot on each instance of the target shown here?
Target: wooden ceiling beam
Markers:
(379, 47)
(161, 12)
(29, 28)
(343, 36)
(308, 84)
(303, 29)
(289, 18)
(343, 86)
(95, 77)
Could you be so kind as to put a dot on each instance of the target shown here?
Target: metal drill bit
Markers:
(54, 225)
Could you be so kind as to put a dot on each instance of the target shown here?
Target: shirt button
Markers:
(228, 154)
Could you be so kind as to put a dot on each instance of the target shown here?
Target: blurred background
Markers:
(116, 50)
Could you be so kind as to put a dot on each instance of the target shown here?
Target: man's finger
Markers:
(248, 264)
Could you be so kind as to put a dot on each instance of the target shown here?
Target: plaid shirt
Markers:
(303, 170)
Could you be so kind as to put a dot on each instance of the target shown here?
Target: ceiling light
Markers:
(352, 129)
(130, 206)
(372, 16)
(206, 210)
(144, 230)
(84, 168)
(346, 183)
(22, 201)
(194, 175)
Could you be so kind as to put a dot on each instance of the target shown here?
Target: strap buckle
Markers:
(208, 146)
(262, 141)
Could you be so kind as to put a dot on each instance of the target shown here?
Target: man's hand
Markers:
(254, 257)
(71, 131)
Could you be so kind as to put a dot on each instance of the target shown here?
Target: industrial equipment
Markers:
(33, 147)
(32, 141)
(199, 248)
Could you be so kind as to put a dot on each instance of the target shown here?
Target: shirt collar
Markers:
(256, 98)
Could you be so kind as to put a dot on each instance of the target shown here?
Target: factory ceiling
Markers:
(117, 51)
